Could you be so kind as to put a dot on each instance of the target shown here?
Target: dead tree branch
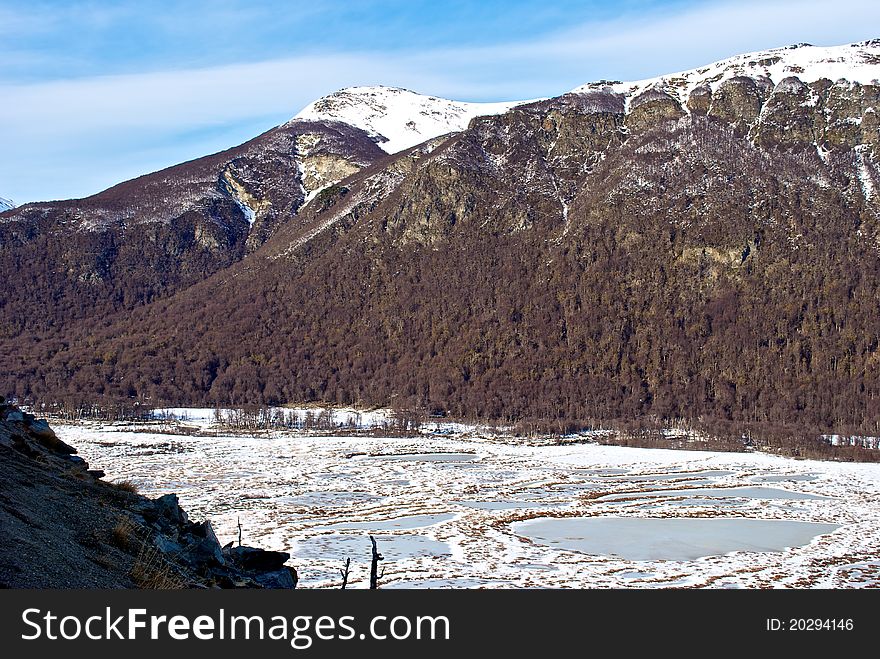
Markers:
(344, 572)
(374, 566)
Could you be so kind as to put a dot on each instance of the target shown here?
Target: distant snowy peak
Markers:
(398, 118)
(6, 204)
(858, 62)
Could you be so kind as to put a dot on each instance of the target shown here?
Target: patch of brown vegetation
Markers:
(125, 534)
(125, 486)
(151, 571)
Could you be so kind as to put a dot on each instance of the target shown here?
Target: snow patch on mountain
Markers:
(249, 213)
(6, 204)
(865, 179)
(398, 118)
(855, 63)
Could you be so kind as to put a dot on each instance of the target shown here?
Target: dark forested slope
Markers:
(597, 255)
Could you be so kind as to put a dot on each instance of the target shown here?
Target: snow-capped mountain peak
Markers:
(6, 204)
(856, 62)
(398, 118)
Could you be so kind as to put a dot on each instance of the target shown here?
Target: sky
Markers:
(96, 92)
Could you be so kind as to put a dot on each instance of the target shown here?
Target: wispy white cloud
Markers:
(155, 119)
(637, 45)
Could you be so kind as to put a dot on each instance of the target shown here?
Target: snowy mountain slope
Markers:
(398, 118)
(6, 204)
(856, 63)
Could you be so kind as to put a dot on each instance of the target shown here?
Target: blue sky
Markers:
(93, 93)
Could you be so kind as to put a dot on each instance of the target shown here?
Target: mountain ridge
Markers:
(855, 62)
(590, 256)
(362, 106)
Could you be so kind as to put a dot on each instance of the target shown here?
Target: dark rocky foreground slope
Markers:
(64, 527)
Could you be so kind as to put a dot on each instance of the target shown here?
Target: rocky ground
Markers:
(65, 527)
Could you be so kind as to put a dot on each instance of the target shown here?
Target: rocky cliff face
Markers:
(66, 528)
(698, 244)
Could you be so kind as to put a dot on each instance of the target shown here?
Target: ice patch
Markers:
(865, 178)
(669, 539)
(396, 524)
(249, 213)
(720, 492)
(392, 547)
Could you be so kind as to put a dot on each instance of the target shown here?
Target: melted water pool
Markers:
(329, 499)
(783, 478)
(670, 539)
(718, 492)
(500, 505)
(426, 457)
(677, 475)
(408, 522)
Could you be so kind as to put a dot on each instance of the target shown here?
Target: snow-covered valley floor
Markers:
(456, 511)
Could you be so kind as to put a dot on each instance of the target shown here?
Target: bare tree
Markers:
(374, 566)
(344, 572)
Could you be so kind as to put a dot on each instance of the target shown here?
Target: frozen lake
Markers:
(463, 511)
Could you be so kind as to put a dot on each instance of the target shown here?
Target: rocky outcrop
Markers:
(785, 119)
(64, 527)
(700, 100)
(851, 110)
(268, 567)
(651, 108)
(737, 101)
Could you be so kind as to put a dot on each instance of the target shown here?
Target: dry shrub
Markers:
(76, 473)
(152, 572)
(125, 486)
(124, 533)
